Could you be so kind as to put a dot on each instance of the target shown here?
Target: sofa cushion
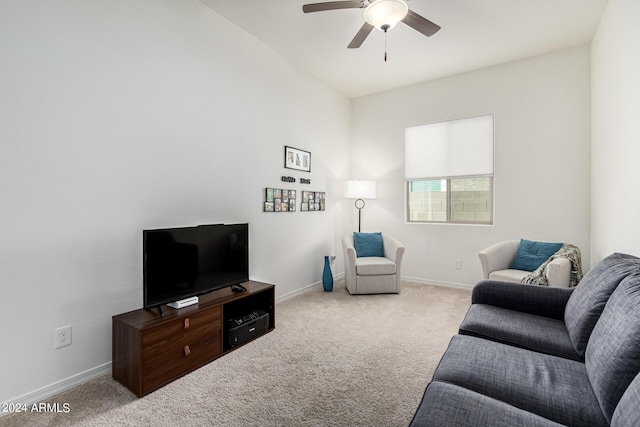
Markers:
(525, 330)
(368, 244)
(552, 387)
(530, 255)
(613, 352)
(592, 293)
(447, 405)
(627, 412)
(375, 266)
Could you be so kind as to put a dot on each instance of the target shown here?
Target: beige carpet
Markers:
(333, 360)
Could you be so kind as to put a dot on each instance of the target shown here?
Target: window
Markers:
(460, 200)
(449, 171)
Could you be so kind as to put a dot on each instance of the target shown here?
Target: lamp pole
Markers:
(359, 211)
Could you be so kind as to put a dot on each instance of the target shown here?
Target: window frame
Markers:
(448, 211)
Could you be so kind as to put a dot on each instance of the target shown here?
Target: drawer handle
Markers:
(186, 323)
(187, 350)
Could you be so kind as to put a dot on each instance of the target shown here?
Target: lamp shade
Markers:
(385, 13)
(358, 189)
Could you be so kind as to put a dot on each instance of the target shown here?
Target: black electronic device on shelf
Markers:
(245, 328)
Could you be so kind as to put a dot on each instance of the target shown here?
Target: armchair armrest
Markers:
(559, 273)
(349, 259)
(393, 249)
(498, 256)
(538, 300)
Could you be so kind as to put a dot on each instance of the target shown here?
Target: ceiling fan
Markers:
(380, 14)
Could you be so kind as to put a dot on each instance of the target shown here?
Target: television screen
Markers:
(179, 263)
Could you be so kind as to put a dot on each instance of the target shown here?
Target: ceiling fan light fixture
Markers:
(385, 14)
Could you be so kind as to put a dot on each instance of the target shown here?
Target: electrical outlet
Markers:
(62, 336)
(457, 264)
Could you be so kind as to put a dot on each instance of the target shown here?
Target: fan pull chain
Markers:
(385, 46)
(385, 28)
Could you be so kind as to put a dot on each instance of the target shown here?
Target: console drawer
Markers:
(180, 331)
(179, 346)
(178, 360)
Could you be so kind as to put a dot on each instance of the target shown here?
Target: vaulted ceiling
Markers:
(475, 34)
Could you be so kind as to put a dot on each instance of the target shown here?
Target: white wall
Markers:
(542, 116)
(116, 116)
(615, 145)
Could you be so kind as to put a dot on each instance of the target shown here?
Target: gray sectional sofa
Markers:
(538, 356)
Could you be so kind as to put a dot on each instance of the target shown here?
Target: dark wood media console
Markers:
(150, 351)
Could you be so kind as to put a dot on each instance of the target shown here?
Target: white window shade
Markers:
(452, 149)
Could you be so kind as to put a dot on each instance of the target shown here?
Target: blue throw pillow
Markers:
(531, 255)
(368, 244)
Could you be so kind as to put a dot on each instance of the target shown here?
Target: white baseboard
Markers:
(50, 390)
(438, 283)
(305, 289)
(416, 280)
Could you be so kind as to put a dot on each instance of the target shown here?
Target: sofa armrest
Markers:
(498, 256)
(538, 300)
(559, 273)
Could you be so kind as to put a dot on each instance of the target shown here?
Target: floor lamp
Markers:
(359, 190)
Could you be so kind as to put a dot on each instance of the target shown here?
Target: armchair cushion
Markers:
(508, 275)
(375, 266)
(368, 244)
(531, 255)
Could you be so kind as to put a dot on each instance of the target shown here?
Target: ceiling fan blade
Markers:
(332, 5)
(364, 31)
(421, 24)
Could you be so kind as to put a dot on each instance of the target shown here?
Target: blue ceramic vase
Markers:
(327, 277)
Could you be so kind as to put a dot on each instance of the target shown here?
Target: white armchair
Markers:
(373, 275)
(496, 259)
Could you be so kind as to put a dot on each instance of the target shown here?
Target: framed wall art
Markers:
(297, 159)
(279, 200)
(312, 201)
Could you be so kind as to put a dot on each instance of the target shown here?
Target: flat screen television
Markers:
(184, 262)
